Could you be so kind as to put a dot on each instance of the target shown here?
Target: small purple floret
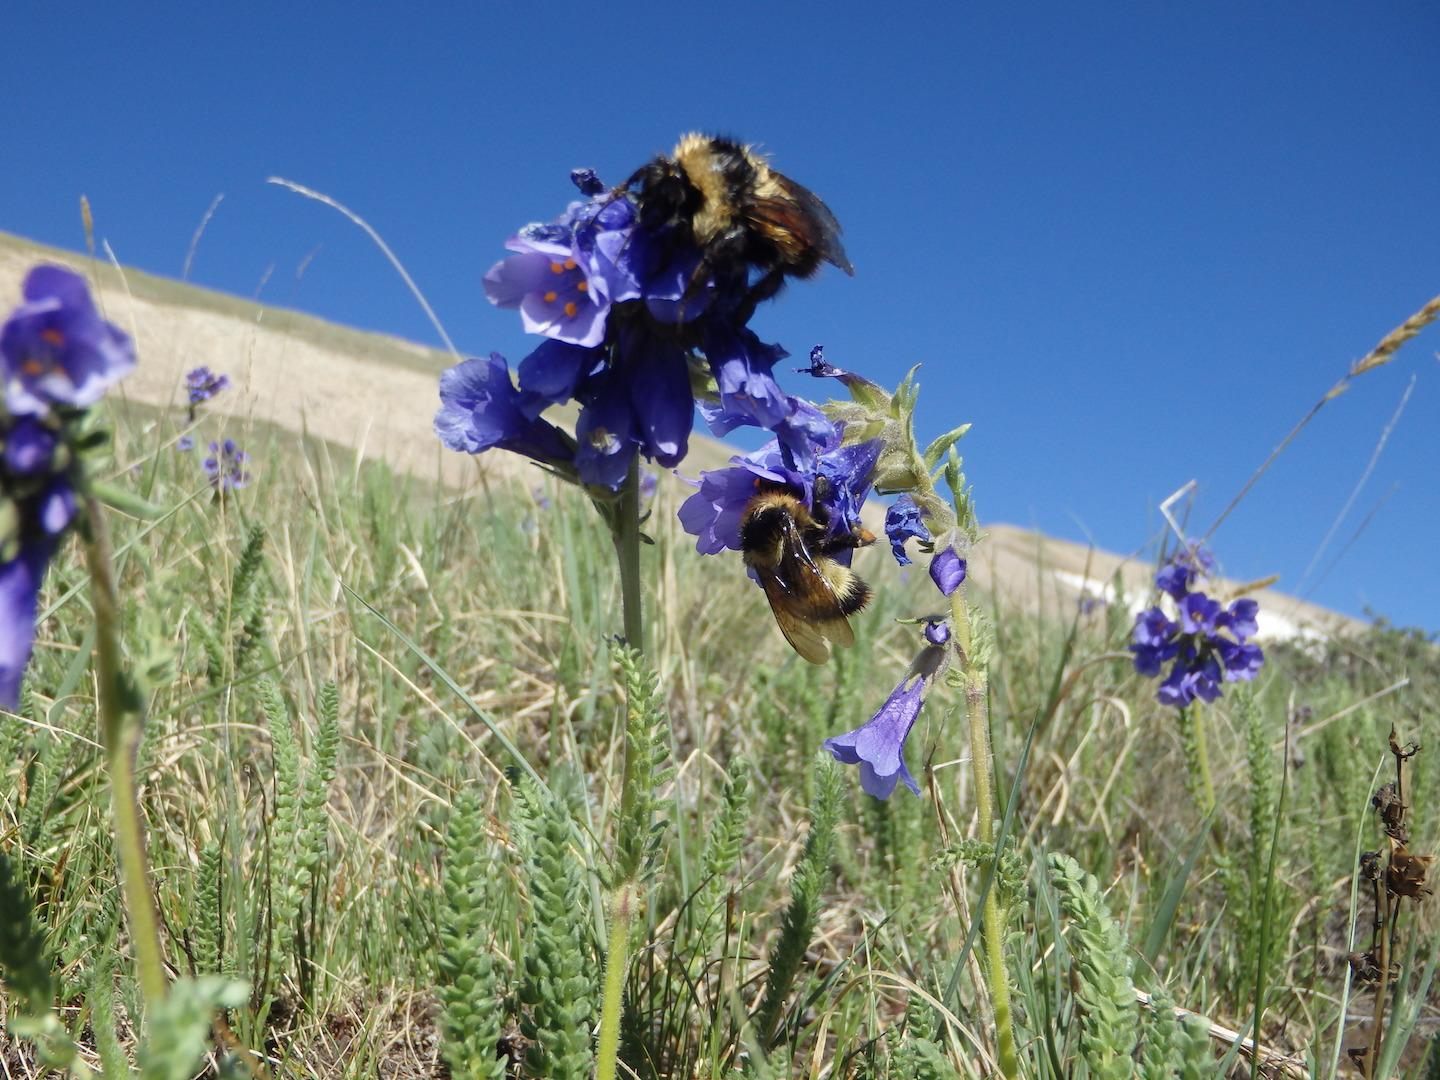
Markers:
(902, 522)
(947, 570)
(878, 745)
(56, 349)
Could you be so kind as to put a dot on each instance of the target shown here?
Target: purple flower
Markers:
(947, 570)
(20, 580)
(556, 296)
(878, 745)
(29, 447)
(1203, 655)
(1198, 614)
(1177, 576)
(742, 366)
(1241, 619)
(859, 386)
(553, 372)
(657, 376)
(902, 522)
(1242, 661)
(185, 443)
(55, 347)
(201, 384)
(605, 436)
(226, 466)
(937, 633)
(480, 408)
(36, 489)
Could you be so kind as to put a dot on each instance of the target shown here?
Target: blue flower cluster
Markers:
(202, 384)
(58, 357)
(626, 324)
(226, 466)
(1209, 643)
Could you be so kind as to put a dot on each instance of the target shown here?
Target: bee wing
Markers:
(814, 221)
(804, 602)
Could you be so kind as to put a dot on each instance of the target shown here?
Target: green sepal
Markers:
(941, 446)
(867, 394)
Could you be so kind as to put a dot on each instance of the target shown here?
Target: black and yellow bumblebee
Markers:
(752, 225)
(792, 552)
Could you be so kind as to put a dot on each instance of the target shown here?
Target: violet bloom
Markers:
(555, 295)
(55, 348)
(480, 409)
(947, 570)
(1204, 656)
(902, 522)
(201, 384)
(1198, 613)
(878, 745)
(226, 466)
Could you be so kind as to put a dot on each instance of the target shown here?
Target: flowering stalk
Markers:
(1197, 757)
(993, 915)
(58, 356)
(945, 528)
(121, 722)
(625, 531)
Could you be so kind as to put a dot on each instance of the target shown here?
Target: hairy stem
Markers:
(625, 530)
(1198, 757)
(121, 721)
(993, 916)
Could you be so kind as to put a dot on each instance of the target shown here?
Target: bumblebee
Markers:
(793, 554)
(744, 217)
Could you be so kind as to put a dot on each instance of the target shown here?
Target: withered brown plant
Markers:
(1395, 874)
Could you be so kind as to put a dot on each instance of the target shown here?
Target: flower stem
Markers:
(121, 721)
(993, 916)
(1197, 757)
(626, 533)
(622, 906)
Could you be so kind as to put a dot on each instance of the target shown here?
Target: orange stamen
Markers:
(570, 309)
(584, 286)
(52, 336)
(569, 264)
(551, 296)
(556, 268)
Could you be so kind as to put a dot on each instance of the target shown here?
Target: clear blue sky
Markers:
(1132, 243)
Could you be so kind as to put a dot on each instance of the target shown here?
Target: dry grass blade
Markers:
(1376, 357)
(320, 197)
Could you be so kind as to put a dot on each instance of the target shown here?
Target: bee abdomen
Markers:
(850, 590)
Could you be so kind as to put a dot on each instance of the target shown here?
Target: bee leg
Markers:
(763, 289)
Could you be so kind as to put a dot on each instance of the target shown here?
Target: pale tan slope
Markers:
(1036, 572)
(377, 394)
